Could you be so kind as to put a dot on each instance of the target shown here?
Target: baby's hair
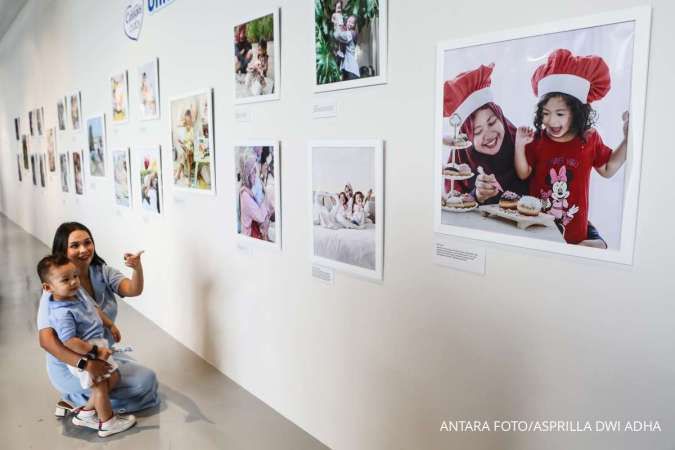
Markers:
(583, 116)
(263, 44)
(49, 262)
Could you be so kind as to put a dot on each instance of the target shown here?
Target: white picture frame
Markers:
(92, 122)
(203, 102)
(121, 168)
(75, 109)
(240, 87)
(118, 86)
(240, 149)
(324, 175)
(640, 17)
(77, 158)
(381, 58)
(150, 195)
(64, 172)
(152, 68)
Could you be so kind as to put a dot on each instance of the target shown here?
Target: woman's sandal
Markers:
(63, 408)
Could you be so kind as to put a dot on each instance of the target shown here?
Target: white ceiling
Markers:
(8, 11)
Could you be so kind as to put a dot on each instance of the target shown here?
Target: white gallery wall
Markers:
(359, 365)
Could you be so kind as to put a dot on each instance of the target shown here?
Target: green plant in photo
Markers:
(261, 28)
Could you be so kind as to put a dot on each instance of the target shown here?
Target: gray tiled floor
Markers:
(201, 408)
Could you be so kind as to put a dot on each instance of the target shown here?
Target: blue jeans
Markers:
(136, 390)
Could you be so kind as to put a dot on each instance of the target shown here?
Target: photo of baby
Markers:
(350, 42)
(122, 178)
(256, 59)
(257, 191)
(96, 144)
(63, 163)
(148, 76)
(346, 201)
(77, 173)
(192, 142)
(149, 171)
(119, 94)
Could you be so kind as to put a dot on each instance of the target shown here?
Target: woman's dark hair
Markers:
(60, 244)
(583, 116)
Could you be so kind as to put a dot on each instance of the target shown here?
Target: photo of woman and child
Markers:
(119, 92)
(192, 142)
(350, 41)
(547, 120)
(77, 173)
(150, 166)
(257, 192)
(256, 71)
(346, 219)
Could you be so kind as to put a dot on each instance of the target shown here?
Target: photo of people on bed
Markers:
(534, 136)
(257, 192)
(344, 205)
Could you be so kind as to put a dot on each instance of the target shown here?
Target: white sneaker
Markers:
(116, 424)
(82, 419)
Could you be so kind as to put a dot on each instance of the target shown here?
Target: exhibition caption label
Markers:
(551, 426)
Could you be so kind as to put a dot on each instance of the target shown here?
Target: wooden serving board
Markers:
(522, 221)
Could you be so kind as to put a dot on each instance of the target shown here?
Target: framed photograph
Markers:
(119, 95)
(78, 172)
(75, 110)
(65, 176)
(61, 112)
(564, 179)
(42, 170)
(193, 151)
(96, 143)
(17, 128)
(24, 150)
(51, 148)
(148, 166)
(30, 123)
(257, 191)
(39, 115)
(257, 58)
(346, 199)
(148, 88)
(18, 166)
(33, 169)
(350, 43)
(122, 177)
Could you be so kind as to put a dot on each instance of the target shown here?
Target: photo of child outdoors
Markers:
(96, 144)
(349, 42)
(121, 178)
(256, 59)
(257, 191)
(192, 142)
(149, 172)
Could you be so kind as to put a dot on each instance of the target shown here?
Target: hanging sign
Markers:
(133, 19)
(156, 5)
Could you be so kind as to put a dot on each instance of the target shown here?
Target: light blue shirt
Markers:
(75, 318)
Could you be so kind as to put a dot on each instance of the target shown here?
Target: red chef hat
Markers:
(584, 77)
(467, 92)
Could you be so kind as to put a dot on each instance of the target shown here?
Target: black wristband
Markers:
(82, 363)
(93, 353)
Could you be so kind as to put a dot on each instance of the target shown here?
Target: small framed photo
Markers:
(148, 167)
(75, 110)
(33, 169)
(78, 173)
(193, 152)
(350, 44)
(96, 144)
(539, 135)
(122, 177)
(51, 148)
(61, 112)
(24, 150)
(18, 166)
(257, 58)
(257, 192)
(31, 127)
(17, 128)
(42, 170)
(346, 200)
(119, 95)
(65, 176)
(148, 89)
(39, 115)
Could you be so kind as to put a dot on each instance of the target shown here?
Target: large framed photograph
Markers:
(192, 142)
(346, 199)
(119, 96)
(51, 148)
(539, 135)
(148, 167)
(148, 88)
(257, 58)
(96, 143)
(75, 110)
(257, 191)
(122, 177)
(350, 43)
(65, 176)
(78, 172)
